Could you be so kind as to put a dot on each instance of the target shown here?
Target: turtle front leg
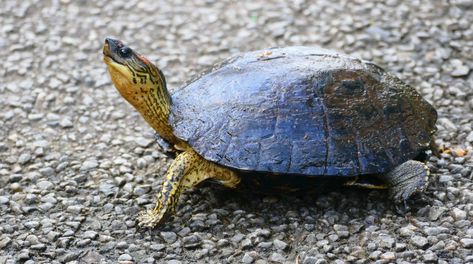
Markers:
(407, 179)
(186, 171)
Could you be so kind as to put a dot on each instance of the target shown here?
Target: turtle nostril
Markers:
(108, 40)
(113, 42)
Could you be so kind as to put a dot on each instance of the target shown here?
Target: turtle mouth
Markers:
(107, 59)
(108, 52)
(118, 67)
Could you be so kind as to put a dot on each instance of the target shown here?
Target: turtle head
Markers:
(134, 76)
(141, 83)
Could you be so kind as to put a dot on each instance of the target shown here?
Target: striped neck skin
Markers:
(154, 103)
(143, 85)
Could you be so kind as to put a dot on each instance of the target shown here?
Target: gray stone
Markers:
(5, 242)
(246, 243)
(108, 188)
(41, 144)
(406, 232)
(75, 209)
(169, 237)
(341, 230)
(191, 241)
(184, 231)
(388, 256)
(313, 260)
(45, 206)
(47, 171)
(265, 244)
(467, 242)
(74, 224)
(24, 158)
(378, 32)
(386, 241)
(157, 247)
(89, 165)
(90, 234)
(65, 122)
(39, 246)
(400, 247)
(460, 71)
(420, 242)
(458, 214)
(122, 245)
(4, 199)
(93, 257)
(469, 138)
(45, 185)
(141, 190)
(375, 255)
(52, 236)
(125, 257)
(31, 199)
(144, 142)
(430, 257)
(237, 238)
(279, 245)
(445, 178)
(3, 147)
(276, 257)
(31, 224)
(434, 231)
(247, 258)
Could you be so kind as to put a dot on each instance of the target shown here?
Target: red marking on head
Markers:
(144, 60)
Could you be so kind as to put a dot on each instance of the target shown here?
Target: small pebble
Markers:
(169, 237)
(420, 242)
(247, 258)
(467, 242)
(280, 245)
(125, 257)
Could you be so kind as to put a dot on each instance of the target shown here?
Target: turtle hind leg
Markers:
(186, 171)
(407, 179)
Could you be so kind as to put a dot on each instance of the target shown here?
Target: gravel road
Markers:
(77, 163)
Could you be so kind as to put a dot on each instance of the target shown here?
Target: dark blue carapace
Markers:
(302, 110)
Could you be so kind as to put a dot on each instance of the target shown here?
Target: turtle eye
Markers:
(125, 52)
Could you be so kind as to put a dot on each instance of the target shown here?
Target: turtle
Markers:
(280, 114)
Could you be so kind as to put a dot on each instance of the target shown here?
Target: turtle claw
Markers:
(401, 198)
(402, 208)
(150, 219)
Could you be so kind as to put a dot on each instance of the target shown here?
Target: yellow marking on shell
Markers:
(354, 183)
(265, 53)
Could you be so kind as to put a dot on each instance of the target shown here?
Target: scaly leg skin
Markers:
(407, 179)
(186, 171)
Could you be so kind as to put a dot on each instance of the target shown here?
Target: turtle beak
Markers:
(107, 58)
(111, 48)
(117, 68)
(106, 48)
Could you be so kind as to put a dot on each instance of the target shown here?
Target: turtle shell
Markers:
(302, 110)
